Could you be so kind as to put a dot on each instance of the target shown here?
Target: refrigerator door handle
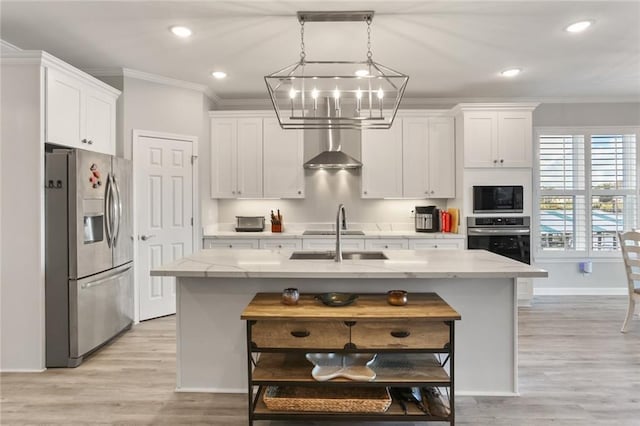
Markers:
(118, 210)
(106, 279)
(107, 209)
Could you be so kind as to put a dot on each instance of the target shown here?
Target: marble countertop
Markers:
(261, 263)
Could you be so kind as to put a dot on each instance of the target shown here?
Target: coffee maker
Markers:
(427, 219)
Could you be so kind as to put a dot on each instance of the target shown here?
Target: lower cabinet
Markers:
(284, 243)
(231, 243)
(330, 243)
(386, 244)
(298, 368)
(437, 243)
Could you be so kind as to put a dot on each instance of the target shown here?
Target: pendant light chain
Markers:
(369, 53)
(302, 52)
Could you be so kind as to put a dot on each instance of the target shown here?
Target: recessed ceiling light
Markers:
(578, 27)
(219, 74)
(512, 72)
(180, 31)
(362, 73)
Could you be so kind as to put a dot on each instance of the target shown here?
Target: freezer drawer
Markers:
(100, 307)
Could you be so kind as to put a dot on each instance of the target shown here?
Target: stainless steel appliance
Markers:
(507, 236)
(249, 223)
(497, 199)
(427, 219)
(89, 253)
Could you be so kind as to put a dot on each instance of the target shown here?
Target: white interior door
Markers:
(164, 212)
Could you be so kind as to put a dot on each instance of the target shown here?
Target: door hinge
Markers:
(191, 221)
(193, 159)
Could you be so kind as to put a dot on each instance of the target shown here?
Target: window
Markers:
(588, 189)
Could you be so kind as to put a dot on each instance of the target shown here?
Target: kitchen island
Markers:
(214, 286)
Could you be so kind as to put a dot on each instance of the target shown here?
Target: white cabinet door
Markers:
(231, 243)
(283, 157)
(441, 158)
(284, 243)
(249, 157)
(415, 157)
(386, 244)
(382, 163)
(514, 138)
(63, 110)
(330, 244)
(480, 138)
(100, 121)
(436, 243)
(223, 158)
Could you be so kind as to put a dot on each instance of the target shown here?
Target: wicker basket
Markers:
(327, 399)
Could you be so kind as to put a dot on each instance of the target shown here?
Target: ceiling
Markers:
(451, 50)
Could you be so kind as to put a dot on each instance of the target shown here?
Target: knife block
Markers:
(276, 228)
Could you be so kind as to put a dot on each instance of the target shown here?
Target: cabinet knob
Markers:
(495, 161)
(279, 245)
(233, 192)
(239, 192)
(386, 246)
(83, 141)
(435, 246)
(432, 192)
(230, 245)
(365, 192)
(299, 192)
(90, 142)
(426, 192)
(501, 160)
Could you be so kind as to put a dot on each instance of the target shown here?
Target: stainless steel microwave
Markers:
(497, 199)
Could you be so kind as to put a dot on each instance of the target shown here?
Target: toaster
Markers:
(249, 223)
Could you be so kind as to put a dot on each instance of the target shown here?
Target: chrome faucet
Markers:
(338, 229)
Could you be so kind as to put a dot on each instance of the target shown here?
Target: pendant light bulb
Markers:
(380, 93)
(314, 93)
(292, 93)
(359, 93)
(336, 93)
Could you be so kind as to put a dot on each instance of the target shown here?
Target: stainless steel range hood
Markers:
(332, 157)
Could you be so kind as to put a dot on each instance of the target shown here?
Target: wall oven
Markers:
(506, 236)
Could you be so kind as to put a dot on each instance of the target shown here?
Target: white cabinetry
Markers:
(428, 148)
(330, 243)
(281, 243)
(236, 158)
(413, 159)
(386, 244)
(382, 162)
(497, 138)
(231, 243)
(79, 114)
(282, 161)
(436, 243)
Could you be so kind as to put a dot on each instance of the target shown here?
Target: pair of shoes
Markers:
(435, 402)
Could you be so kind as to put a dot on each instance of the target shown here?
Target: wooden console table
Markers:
(418, 338)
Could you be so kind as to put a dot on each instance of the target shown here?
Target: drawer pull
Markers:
(300, 333)
(400, 334)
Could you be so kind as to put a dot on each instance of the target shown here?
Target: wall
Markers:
(608, 275)
(22, 323)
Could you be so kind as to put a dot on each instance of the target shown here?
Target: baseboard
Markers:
(580, 291)
(23, 370)
(211, 390)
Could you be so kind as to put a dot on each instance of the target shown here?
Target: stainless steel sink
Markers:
(313, 232)
(330, 255)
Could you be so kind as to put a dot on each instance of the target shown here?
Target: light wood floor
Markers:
(576, 368)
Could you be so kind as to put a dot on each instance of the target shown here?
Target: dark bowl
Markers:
(337, 299)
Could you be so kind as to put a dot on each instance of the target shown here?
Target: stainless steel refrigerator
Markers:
(89, 253)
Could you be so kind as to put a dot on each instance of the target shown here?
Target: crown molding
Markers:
(6, 46)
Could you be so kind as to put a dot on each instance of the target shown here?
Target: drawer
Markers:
(300, 334)
(287, 244)
(400, 334)
(236, 243)
(386, 244)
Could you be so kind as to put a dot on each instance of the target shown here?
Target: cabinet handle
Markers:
(300, 333)
(400, 334)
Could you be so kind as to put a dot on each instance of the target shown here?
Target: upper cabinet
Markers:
(496, 135)
(413, 159)
(80, 113)
(236, 158)
(252, 157)
(283, 154)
